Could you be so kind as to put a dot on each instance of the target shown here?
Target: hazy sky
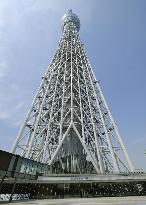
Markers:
(114, 37)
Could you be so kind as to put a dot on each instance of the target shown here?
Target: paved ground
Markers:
(87, 201)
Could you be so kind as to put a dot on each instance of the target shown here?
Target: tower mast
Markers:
(69, 124)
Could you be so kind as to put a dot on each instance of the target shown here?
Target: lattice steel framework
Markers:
(69, 124)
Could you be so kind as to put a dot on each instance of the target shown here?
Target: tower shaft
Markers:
(69, 124)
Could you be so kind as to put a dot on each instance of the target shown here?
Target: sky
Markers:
(114, 36)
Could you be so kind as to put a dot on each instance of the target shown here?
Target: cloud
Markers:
(15, 87)
(3, 69)
(10, 113)
(139, 140)
(3, 115)
(19, 105)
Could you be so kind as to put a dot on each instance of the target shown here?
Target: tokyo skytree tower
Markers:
(69, 125)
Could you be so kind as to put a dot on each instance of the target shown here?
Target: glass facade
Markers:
(18, 166)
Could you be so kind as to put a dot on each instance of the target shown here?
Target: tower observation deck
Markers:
(70, 18)
(69, 125)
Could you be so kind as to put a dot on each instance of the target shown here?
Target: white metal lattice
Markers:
(69, 121)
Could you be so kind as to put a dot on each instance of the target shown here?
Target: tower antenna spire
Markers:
(70, 11)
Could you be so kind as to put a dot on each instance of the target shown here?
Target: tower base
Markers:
(79, 186)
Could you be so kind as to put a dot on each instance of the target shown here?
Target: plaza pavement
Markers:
(134, 200)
